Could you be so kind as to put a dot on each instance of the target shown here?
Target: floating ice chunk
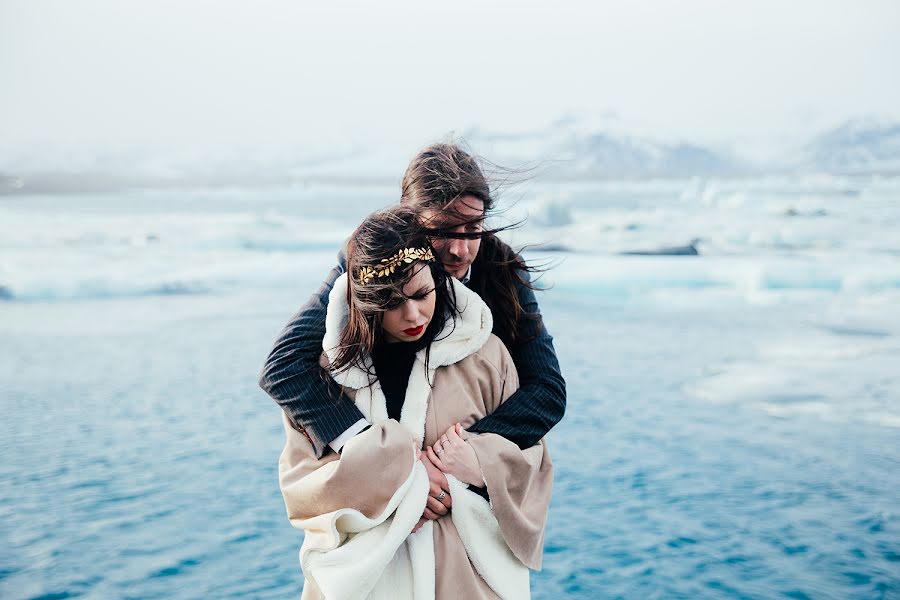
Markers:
(811, 373)
(552, 213)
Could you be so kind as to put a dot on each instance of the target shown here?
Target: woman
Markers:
(414, 349)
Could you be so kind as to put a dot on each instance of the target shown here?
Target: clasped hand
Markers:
(451, 455)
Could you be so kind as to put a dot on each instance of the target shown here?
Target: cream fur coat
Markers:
(357, 508)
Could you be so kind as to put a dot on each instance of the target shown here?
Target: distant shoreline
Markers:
(105, 183)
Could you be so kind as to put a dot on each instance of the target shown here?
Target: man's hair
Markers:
(436, 177)
(441, 173)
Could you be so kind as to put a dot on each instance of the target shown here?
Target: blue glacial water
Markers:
(733, 424)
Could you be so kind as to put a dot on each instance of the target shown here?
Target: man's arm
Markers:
(293, 377)
(540, 402)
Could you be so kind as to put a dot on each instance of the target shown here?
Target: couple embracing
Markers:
(414, 459)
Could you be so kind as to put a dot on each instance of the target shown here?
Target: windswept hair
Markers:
(379, 237)
(439, 175)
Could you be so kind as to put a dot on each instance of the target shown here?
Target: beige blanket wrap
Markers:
(357, 508)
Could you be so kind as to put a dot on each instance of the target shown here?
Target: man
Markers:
(447, 188)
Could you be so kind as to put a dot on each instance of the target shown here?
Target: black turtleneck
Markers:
(393, 363)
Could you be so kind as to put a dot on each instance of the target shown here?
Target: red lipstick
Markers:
(414, 331)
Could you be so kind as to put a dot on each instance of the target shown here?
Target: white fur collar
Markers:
(460, 338)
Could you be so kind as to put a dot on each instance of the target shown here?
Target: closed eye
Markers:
(418, 296)
(421, 294)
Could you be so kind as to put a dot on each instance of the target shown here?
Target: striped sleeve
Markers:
(293, 377)
(540, 402)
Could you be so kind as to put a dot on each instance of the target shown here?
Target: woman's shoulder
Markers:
(492, 354)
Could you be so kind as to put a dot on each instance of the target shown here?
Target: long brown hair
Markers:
(436, 177)
(378, 238)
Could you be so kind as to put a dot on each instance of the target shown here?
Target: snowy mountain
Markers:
(583, 148)
(607, 156)
(865, 145)
(580, 147)
(577, 148)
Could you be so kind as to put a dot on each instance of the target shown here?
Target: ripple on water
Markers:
(874, 523)
(85, 484)
(175, 569)
(856, 578)
(625, 559)
(889, 554)
(571, 584)
(798, 549)
(678, 542)
(246, 537)
(737, 559)
(718, 584)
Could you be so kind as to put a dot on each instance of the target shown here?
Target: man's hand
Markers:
(454, 456)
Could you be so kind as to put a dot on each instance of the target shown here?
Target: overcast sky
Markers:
(220, 76)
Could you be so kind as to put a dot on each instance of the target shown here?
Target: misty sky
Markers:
(224, 76)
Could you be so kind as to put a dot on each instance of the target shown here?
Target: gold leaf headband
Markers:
(387, 265)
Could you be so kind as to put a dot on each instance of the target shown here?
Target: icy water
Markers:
(733, 425)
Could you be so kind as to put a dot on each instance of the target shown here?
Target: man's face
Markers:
(465, 215)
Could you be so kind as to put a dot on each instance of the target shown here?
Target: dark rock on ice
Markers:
(688, 250)
(793, 212)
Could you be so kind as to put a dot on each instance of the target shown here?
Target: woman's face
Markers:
(408, 317)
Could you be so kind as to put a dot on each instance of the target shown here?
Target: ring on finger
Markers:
(441, 496)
